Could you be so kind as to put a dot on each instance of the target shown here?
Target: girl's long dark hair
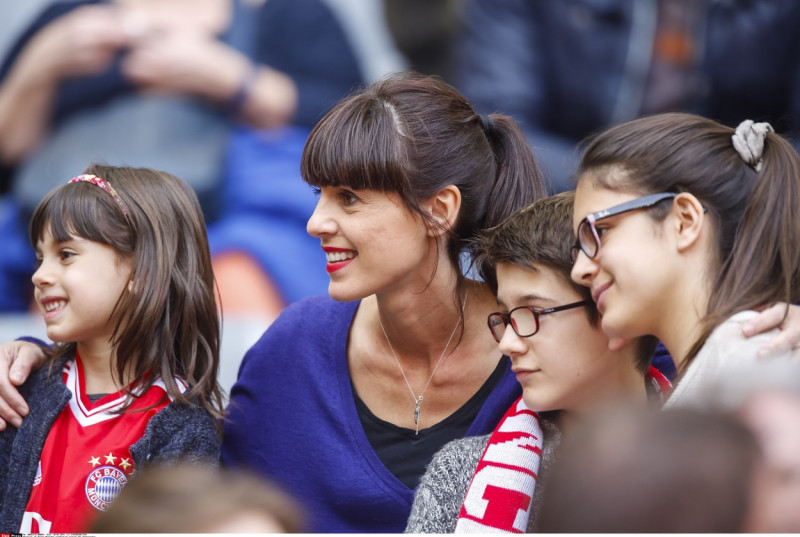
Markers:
(167, 324)
(753, 213)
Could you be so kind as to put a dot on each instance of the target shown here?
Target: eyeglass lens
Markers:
(587, 239)
(523, 320)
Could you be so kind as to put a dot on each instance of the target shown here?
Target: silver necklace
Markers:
(418, 398)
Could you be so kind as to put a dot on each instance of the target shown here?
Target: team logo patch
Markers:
(103, 485)
(38, 478)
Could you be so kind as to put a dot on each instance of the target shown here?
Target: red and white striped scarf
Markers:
(500, 493)
(499, 496)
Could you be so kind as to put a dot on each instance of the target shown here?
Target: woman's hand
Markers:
(773, 317)
(17, 360)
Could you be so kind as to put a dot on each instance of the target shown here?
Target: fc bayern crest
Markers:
(103, 485)
(38, 478)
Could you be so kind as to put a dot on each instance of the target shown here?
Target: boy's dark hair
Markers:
(541, 235)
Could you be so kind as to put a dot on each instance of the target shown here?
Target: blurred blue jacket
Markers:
(569, 68)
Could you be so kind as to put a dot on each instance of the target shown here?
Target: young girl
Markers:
(684, 226)
(127, 292)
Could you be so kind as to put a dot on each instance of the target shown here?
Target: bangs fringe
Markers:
(358, 146)
(77, 209)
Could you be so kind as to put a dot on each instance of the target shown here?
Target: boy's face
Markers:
(566, 365)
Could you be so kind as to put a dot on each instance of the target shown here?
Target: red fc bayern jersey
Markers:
(86, 458)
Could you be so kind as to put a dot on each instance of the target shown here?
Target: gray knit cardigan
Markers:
(440, 494)
(176, 432)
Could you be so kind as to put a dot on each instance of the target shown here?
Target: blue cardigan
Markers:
(293, 419)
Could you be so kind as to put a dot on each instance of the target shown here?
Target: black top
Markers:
(405, 454)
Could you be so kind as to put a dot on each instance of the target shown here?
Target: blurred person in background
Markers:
(633, 471)
(774, 417)
(194, 498)
(766, 397)
(425, 31)
(570, 68)
(161, 83)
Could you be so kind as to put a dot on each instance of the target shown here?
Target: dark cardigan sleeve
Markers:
(179, 432)
(20, 449)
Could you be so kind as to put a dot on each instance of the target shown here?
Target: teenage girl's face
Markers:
(633, 275)
(77, 284)
(372, 242)
(566, 365)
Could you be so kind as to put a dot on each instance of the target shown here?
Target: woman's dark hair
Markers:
(414, 135)
(167, 323)
(753, 213)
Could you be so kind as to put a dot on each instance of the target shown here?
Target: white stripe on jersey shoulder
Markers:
(86, 416)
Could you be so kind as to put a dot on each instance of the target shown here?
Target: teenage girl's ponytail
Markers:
(747, 179)
(518, 181)
(764, 264)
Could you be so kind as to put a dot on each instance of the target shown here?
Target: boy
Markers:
(549, 327)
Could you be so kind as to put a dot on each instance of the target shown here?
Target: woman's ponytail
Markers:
(517, 181)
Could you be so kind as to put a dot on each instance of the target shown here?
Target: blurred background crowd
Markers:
(223, 93)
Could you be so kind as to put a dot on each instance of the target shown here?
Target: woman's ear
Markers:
(689, 215)
(443, 207)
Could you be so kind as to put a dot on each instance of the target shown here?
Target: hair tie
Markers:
(748, 140)
(105, 185)
(486, 124)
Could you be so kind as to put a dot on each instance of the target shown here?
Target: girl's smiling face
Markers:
(633, 271)
(77, 286)
(372, 242)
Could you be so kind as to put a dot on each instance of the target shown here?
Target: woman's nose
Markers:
(320, 222)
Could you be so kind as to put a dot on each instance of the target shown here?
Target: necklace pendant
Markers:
(416, 414)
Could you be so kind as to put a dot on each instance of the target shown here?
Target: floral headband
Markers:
(105, 185)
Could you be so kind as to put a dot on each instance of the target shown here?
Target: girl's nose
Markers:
(583, 269)
(42, 276)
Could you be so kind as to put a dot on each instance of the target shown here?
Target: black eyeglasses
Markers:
(524, 319)
(588, 240)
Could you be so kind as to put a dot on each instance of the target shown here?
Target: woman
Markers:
(362, 387)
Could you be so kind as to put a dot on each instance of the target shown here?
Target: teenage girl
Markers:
(686, 228)
(126, 289)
